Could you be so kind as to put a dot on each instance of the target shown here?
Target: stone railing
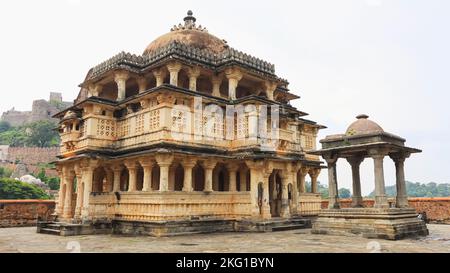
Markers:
(155, 124)
(309, 204)
(157, 206)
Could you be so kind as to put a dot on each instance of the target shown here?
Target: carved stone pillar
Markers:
(121, 80)
(256, 170)
(333, 199)
(270, 89)
(295, 191)
(117, 169)
(193, 74)
(188, 165)
(79, 202)
(159, 74)
(265, 207)
(142, 83)
(87, 181)
(61, 193)
(132, 175)
(94, 90)
(147, 166)
(355, 162)
(314, 174)
(380, 194)
(216, 82)
(164, 161)
(285, 180)
(302, 177)
(208, 166)
(402, 197)
(174, 68)
(233, 76)
(69, 176)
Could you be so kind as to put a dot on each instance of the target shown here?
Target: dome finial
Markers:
(362, 116)
(189, 20)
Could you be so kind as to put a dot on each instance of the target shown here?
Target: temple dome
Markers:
(363, 126)
(190, 35)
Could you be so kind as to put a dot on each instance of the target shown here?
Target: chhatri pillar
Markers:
(380, 190)
(333, 195)
(402, 197)
(355, 162)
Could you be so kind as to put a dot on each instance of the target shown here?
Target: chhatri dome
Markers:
(190, 35)
(363, 125)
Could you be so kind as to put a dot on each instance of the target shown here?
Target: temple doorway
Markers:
(275, 194)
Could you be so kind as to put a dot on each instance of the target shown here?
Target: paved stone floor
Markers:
(27, 240)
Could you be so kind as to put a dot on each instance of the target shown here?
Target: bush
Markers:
(14, 189)
(5, 172)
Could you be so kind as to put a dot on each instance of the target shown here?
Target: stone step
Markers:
(287, 227)
(53, 226)
(50, 231)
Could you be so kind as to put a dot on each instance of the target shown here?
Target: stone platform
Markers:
(389, 223)
(172, 228)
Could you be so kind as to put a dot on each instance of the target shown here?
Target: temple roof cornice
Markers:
(175, 50)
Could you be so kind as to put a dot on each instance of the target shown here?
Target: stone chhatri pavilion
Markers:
(366, 139)
(124, 171)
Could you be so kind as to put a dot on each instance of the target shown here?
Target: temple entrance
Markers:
(275, 194)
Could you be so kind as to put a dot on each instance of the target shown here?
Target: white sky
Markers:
(388, 59)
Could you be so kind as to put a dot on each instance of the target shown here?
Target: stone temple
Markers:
(179, 139)
(190, 136)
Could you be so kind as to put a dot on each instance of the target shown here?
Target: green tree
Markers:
(4, 126)
(5, 172)
(344, 193)
(42, 134)
(53, 183)
(14, 189)
(14, 137)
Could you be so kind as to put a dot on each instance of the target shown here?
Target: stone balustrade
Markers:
(158, 123)
(161, 206)
(309, 204)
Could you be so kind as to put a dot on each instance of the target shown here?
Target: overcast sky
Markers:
(387, 59)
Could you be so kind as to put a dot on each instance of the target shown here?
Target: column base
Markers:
(381, 202)
(333, 203)
(357, 202)
(402, 202)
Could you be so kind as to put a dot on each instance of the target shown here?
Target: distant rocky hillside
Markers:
(41, 110)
